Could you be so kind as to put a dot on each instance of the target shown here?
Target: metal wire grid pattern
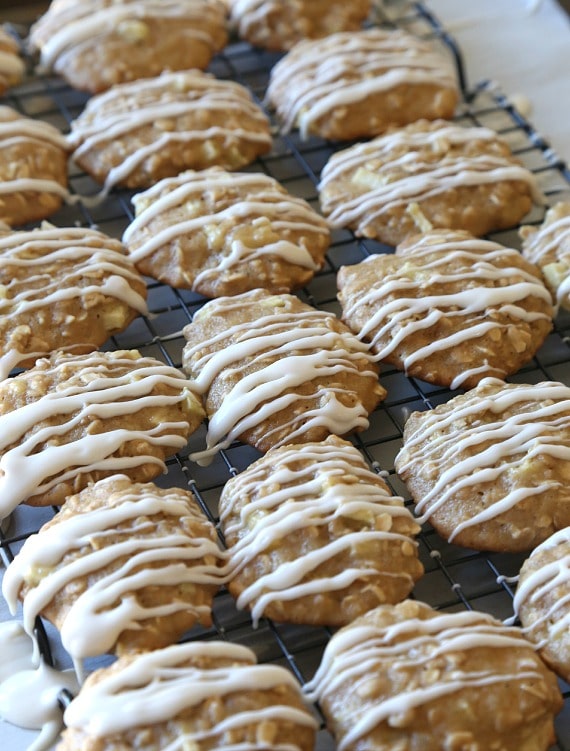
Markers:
(455, 578)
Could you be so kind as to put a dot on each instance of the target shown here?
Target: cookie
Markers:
(63, 289)
(358, 84)
(201, 695)
(448, 308)
(75, 419)
(542, 601)
(459, 177)
(489, 469)
(548, 246)
(315, 537)
(12, 67)
(273, 370)
(139, 133)
(33, 168)
(408, 677)
(96, 44)
(278, 26)
(122, 567)
(222, 233)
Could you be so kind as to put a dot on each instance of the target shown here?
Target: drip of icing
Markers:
(17, 652)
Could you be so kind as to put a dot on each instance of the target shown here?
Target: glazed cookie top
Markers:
(317, 77)
(224, 233)
(11, 64)
(66, 288)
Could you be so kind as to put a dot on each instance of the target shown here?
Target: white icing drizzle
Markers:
(109, 606)
(512, 441)
(358, 650)
(24, 471)
(157, 686)
(17, 651)
(553, 238)
(318, 76)
(415, 310)
(301, 353)
(306, 498)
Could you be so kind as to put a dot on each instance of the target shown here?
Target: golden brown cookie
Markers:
(490, 468)
(11, 64)
(139, 133)
(274, 370)
(409, 678)
(222, 233)
(122, 567)
(63, 289)
(33, 168)
(74, 419)
(278, 26)
(358, 84)
(200, 695)
(459, 178)
(315, 536)
(448, 308)
(548, 246)
(542, 600)
(96, 44)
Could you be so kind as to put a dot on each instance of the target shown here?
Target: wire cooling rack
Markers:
(455, 578)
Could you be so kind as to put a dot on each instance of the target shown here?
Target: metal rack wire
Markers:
(455, 578)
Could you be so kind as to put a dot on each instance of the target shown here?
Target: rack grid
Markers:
(455, 578)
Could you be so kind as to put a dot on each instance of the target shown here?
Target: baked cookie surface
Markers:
(202, 695)
(358, 84)
(96, 44)
(12, 66)
(278, 26)
(222, 233)
(548, 246)
(33, 168)
(71, 420)
(63, 289)
(314, 536)
(139, 133)
(408, 677)
(542, 600)
(459, 177)
(489, 469)
(122, 567)
(448, 308)
(274, 370)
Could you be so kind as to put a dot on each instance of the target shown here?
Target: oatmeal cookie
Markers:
(548, 246)
(75, 419)
(459, 178)
(408, 677)
(11, 64)
(33, 168)
(448, 308)
(359, 84)
(122, 567)
(542, 600)
(278, 26)
(490, 469)
(96, 44)
(203, 695)
(315, 536)
(274, 370)
(139, 133)
(222, 233)
(63, 289)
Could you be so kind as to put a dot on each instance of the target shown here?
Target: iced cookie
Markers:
(274, 370)
(315, 536)
(96, 44)
(448, 308)
(490, 468)
(222, 233)
(408, 677)
(458, 178)
(63, 289)
(358, 84)
(12, 66)
(122, 567)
